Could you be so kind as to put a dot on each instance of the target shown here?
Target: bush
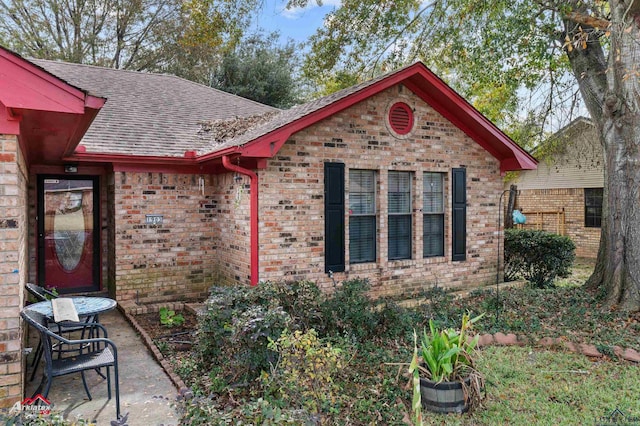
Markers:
(350, 312)
(537, 256)
(303, 376)
(236, 328)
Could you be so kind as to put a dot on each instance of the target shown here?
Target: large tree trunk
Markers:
(611, 91)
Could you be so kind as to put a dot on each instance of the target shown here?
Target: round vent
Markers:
(401, 118)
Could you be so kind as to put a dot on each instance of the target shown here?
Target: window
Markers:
(433, 214)
(362, 216)
(592, 207)
(399, 196)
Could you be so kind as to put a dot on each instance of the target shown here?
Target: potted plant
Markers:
(443, 369)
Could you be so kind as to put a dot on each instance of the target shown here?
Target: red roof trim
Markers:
(24, 85)
(434, 91)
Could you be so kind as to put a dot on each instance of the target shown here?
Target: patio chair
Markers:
(94, 353)
(42, 294)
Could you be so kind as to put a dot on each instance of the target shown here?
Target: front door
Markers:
(68, 233)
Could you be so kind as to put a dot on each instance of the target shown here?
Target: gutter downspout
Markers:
(253, 215)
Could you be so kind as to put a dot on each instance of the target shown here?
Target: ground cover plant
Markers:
(286, 354)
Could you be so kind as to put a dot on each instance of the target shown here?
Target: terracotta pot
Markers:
(444, 397)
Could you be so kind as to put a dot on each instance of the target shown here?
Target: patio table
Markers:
(88, 307)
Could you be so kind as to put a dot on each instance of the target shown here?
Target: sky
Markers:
(297, 24)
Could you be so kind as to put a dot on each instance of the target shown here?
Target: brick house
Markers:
(154, 188)
(567, 186)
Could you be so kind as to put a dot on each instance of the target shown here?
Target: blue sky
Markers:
(298, 23)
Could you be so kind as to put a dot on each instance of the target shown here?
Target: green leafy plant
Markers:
(446, 355)
(304, 373)
(537, 256)
(169, 318)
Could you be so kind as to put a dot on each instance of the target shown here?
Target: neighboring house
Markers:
(154, 188)
(569, 181)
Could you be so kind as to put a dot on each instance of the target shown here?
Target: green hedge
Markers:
(537, 256)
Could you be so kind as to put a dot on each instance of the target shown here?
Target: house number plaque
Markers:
(153, 219)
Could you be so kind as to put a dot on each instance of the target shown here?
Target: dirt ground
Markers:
(177, 338)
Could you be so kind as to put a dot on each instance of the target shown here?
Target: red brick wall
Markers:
(13, 267)
(292, 202)
(572, 200)
(174, 260)
(231, 226)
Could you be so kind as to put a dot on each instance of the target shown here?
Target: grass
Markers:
(526, 386)
(567, 310)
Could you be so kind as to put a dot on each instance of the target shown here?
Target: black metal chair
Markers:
(42, 294)
(94, 353)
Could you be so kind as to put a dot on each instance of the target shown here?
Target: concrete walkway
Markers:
(146, 392)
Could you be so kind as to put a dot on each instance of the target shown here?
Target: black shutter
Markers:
(334, 217)
(459, 216)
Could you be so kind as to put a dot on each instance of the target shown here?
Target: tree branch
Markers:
(588, 20)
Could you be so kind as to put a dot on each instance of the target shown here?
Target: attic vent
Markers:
(401, 118)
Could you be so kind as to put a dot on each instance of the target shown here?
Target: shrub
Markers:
(235, 330)
(303, 376)
(302, 300)
(537, 256)
(350, 312)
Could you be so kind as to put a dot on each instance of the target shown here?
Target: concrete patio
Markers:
(146, 392)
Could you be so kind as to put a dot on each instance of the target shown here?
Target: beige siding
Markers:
(578, 164)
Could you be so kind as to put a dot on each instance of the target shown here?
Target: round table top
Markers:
(85, 306)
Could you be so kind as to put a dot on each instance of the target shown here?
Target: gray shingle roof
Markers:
(295, 113)
(149, 114)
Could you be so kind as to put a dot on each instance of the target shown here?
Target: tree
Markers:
(558, 52)
(261, 70)
(130, 34)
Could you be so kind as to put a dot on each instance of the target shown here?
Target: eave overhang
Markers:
(49, 115)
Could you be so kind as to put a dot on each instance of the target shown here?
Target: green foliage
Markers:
(369, 385)
(302, 300)
(208, 411)
(261, 70)
(304, 374)
(169, 318)
(493, 66)
(52, 419)
(237, 327)
(440, 308)
(448, 353)
(349, 311)
(537, 256)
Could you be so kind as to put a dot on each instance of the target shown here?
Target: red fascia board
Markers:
(279, 136)
(432, 90)
(129, 159)
(133, 163)
(468, 119)
(9, 123)
(83, 123)
(27, 86)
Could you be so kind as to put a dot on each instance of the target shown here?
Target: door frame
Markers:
(40, 242)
